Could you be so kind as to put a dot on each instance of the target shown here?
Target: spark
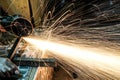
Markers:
(94, 59)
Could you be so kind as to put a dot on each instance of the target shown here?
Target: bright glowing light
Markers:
(79, 55)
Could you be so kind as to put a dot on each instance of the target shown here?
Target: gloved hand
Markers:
(7, 68)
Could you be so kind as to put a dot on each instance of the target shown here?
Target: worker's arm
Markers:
(7, 68)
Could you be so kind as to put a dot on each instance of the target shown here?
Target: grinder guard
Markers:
(21, 27)
(17, 25)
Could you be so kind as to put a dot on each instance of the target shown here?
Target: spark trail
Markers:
(94, 59)
(92, 23)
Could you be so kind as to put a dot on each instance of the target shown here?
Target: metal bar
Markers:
(13, 49)
(35, 62)
(31, 13)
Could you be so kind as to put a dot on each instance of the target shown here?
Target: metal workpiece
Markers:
(28, 66)
(35, 62)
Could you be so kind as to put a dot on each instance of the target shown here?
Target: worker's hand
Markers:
(7, 68)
